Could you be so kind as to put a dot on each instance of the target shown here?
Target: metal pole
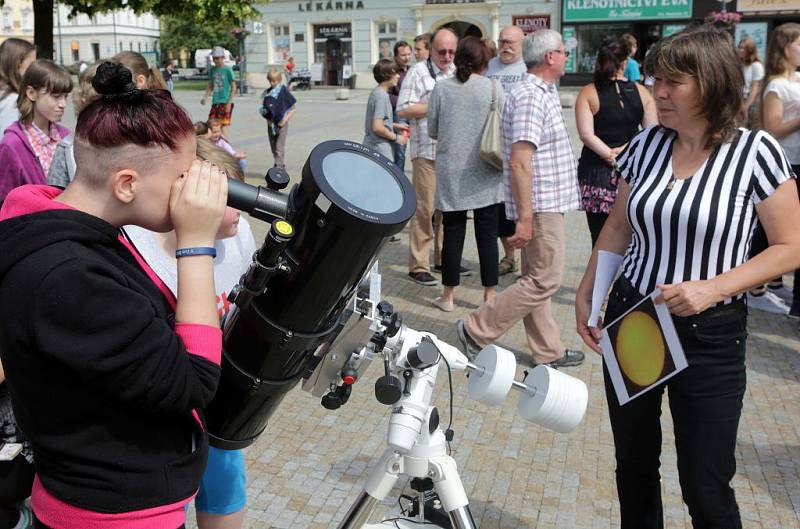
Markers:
(60, 40)
(114, 26)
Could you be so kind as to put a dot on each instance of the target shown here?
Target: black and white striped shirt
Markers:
(699, 227)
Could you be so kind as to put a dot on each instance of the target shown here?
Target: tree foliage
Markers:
(192, 11)
(182, 32)
(196, 9)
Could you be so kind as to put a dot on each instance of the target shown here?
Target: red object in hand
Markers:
(406, 132)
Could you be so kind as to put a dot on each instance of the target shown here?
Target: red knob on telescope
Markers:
(349, 376)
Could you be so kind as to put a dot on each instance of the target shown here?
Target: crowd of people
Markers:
(688, 172)
(113, 298)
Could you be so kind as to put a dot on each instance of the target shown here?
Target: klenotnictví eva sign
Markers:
(606, 10)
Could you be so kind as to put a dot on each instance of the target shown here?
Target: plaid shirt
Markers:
(533, 114)
(44, 145)
(417, 88)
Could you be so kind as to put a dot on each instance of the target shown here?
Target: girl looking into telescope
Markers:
(222, 497)
(116, 437)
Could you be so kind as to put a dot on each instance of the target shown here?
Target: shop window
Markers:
(589, 40)
(387, 36)
(281, 48)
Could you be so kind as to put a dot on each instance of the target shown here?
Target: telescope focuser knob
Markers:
(333, 400)
(388, 389)
(277, 179)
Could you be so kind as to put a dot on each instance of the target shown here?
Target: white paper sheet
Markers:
(673, 351)
(608, 264)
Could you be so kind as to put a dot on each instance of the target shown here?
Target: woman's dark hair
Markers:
(383, 70)
(472, 56)
(125, 115)
(610, 57)
(12, 53)
(44, 75)
(708, 56)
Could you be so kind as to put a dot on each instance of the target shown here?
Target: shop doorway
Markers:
(333, 61)
(464, 29)
(332, 51)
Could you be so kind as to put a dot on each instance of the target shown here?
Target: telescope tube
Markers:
(349, 202)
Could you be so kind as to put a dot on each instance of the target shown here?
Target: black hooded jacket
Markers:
(100, 377)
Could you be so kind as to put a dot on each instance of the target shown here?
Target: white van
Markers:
(202, 60)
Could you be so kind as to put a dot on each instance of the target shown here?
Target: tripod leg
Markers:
(358, 513)
(380, 482)
(448, 486)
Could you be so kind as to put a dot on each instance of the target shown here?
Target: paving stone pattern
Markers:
(311, 463)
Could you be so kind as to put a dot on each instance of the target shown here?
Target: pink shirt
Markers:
(44, 145)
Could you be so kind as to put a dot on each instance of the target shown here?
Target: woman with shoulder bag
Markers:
(457, 115)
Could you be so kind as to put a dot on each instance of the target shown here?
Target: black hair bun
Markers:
(114, 81)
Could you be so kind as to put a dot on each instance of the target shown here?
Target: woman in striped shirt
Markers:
(692, 190)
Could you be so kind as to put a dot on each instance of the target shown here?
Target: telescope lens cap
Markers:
(283, 228)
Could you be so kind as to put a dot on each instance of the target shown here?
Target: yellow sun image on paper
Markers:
(641, 349)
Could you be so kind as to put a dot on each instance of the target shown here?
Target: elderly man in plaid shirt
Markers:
(540, 185)
(412, 104)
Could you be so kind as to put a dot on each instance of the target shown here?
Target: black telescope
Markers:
(292, 302)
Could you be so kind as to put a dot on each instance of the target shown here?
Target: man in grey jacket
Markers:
(412, 104)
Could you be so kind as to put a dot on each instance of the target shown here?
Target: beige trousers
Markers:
(529, 298)
(420, 230)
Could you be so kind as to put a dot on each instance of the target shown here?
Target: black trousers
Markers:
(596, 222)
(705, 401)
(16, 481)
(759, 243)
(454, 224)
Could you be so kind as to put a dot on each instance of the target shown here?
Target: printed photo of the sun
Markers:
(640, 348)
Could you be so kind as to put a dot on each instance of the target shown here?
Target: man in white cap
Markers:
(222, 87)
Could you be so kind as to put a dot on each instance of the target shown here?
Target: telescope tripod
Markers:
(427, 460)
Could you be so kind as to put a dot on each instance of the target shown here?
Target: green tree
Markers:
(198, 10)
(185, 33)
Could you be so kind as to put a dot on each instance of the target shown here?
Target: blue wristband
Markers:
(199, 250)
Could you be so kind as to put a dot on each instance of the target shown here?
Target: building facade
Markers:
(17, 20)
(586, 23)
(87, 39)
(340, 40)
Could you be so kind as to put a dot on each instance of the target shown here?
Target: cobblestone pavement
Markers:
(311, 463)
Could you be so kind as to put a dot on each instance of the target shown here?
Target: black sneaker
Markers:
(471, 349)
(423, 278)
(571, 358)
(464, 271)
(794, 312)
